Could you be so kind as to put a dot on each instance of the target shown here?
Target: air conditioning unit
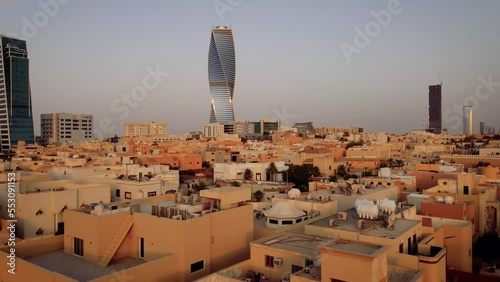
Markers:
(278, 262)
(342, 216)
(177, 217)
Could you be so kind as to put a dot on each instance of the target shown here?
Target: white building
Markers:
(226, 171)
(58, 128)
(213, 129)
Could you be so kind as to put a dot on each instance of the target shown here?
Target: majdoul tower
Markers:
(221, 74)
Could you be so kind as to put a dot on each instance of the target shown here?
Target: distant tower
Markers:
(483, 128)
(468, 120)
(16, 114)
(221, 74)
(435, 125)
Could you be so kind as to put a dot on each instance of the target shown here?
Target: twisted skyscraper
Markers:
(221, 73)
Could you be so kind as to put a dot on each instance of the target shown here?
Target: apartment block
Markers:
(147, 129)
(61, 128)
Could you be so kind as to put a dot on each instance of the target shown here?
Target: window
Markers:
(117, 192)
(141, 247)
(308, 262)
(269, 261)
(273, 221)
(78, 246)
(287, 222)
(128, 195)
(401, 248)
(466, 190)
(197, 266)
(337, 280)
(152, 194)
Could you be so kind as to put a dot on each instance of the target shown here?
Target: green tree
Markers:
(248, 175)
(272, 170)
(301, 174)
(333, 178)
(258, 195)
(341, 171)
(199, 186)
(236, 184)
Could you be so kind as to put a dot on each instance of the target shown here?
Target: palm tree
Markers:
(272, 170)
(341, 171)
(248, 175)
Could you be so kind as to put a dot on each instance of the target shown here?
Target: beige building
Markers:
(299, 257)
(136, 129)
(41, 205)
(405, 242)
(154, 239)
(60, 128)
(213, 129)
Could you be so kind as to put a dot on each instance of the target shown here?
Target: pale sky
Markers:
(289, 62)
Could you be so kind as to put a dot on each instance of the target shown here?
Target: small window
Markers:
(128, 195)
(269, 261)
(197, 266)
(401, 248)
(308, 262)
(117, 192)
(273, 221)
(152, 194)
(141, 247)
(78, 246)
(287, 222)
(39, 212)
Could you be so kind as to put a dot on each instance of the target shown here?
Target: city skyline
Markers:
(382, 88)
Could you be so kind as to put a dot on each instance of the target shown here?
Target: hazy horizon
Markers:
(289, 60)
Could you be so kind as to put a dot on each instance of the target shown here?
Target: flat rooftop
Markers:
(77, 268)
(302, 244)
(370, 227)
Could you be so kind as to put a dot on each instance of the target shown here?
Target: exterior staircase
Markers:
(117, 241)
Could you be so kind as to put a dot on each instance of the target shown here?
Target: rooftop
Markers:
(355, 247)
(302, 244)
(370, 227)
(79, 269)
